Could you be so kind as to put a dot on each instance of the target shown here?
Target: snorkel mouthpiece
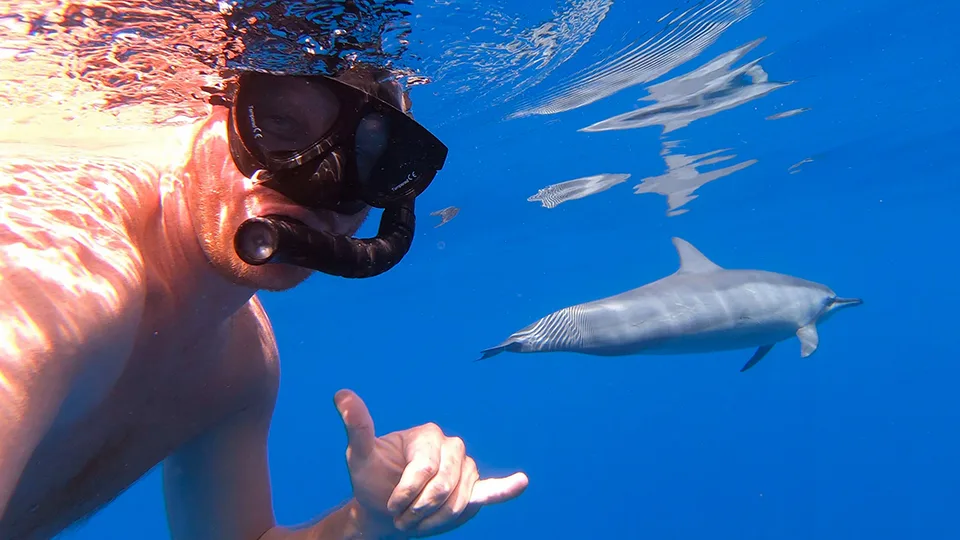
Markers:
(258, 239)
(278, 239)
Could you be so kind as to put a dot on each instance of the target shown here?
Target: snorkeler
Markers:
(132, 334)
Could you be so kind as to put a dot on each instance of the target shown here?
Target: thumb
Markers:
(361, 438)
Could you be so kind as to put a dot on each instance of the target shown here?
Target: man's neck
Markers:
(181, 271)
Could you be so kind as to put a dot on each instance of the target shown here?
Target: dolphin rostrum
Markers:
(702, 307)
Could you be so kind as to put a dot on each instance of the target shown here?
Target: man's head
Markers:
(289, 172)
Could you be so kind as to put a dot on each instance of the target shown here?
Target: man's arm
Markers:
(217, 486)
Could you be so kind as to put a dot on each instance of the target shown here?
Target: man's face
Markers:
(220, 198)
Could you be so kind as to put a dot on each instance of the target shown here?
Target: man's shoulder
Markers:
(80, 208)
(252, 348)
(66, 260)
(256, 321)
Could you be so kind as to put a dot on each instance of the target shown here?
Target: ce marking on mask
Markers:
(410, 178)
(257, 132)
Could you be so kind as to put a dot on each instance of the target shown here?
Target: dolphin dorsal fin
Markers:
(691, 260)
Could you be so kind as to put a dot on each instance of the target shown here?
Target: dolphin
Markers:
(702, 307)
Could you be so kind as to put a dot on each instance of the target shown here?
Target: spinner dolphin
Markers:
(701, 307)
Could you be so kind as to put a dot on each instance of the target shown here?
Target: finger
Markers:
(439, 488)
(361, 437)
(488, 491)
(498, 490)
(448, 516)
(422, 452)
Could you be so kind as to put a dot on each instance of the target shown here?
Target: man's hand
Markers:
(416, 482)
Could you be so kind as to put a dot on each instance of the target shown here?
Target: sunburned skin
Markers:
(132, 337)
(122, 238)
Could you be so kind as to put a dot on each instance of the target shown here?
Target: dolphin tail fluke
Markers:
(492, 351)
(508, 345)
(555, 332)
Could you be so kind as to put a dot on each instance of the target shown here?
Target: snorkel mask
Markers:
(325, 144)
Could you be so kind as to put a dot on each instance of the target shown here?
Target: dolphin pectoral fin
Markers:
(757, 356)
(809, 339)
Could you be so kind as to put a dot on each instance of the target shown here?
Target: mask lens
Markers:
(372, 138)
(396, 156)
(285, 117)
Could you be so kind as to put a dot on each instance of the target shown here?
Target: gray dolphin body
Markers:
(702, 307)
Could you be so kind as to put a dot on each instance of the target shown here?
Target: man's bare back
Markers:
(133, 337)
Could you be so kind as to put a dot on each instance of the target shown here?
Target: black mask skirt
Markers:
(326, 145)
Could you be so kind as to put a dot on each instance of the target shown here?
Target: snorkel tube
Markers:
(278, 239)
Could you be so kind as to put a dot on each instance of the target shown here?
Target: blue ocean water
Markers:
(857, 441)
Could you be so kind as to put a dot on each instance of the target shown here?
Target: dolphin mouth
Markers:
(847, 302)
